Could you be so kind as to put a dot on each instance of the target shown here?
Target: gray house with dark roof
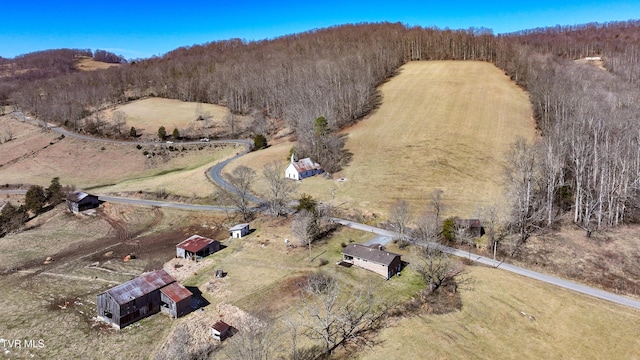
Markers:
(145, 295)
(381, 262)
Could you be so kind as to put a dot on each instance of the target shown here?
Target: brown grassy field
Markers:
(88, 64)
(491, 326)
(442, 124)
(147, 115)
(35, 157)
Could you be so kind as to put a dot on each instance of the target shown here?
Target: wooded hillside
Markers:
(588, 161)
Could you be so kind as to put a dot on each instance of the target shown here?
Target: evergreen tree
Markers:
(162, 132)
(259, 142)
(35, 199)
(54, 192)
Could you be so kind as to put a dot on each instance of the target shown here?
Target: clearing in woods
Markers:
(147, 115)
(442, 124)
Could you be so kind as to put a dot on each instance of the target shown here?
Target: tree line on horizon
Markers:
(587, 162)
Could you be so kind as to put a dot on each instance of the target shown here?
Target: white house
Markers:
(303, 168)
(239, 230)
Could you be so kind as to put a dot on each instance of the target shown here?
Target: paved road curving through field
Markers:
(215, 174)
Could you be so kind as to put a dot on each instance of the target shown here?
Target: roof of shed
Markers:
(305, 164)
(370, 254)
(176, 292)
(195, 243)
(221, 326)
(140, 286)
(239, 227)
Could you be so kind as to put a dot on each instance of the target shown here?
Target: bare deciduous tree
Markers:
(399, 217)
(436, 268)
(334, 315)
(241, 179)
(280, 190)
(305, 228)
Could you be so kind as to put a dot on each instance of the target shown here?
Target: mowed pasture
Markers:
(85, 63)
(35, 156)
(507, 316)
(441, 125)
(147, 115)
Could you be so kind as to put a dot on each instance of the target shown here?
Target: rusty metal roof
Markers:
(176, 292)
(305, 164)
(221, 326)
(370, 254)
(140, 286)
(195, 243)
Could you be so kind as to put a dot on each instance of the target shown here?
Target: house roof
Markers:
(239, 227)
(305, 164)
(176, 292)
(195, 243)
(370, 254)
(140, 286)
(221, 326)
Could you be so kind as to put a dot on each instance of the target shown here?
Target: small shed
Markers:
(220, 330)
(81, 201)
(239, 230)
(196, 247)
(175, 300)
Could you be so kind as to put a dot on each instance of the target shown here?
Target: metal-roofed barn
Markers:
(220, 330)
(81, 201)
(140, 297)
(196, 247)
(381, 262)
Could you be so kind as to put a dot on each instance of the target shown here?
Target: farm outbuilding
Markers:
(239, 230)
(381, 262)
(81, 201)
(196, 247)
(472, 226)
(138, 298)
(303, 168)
(220, 330)
(175, 300)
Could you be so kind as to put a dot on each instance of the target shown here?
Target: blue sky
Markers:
(139, 29)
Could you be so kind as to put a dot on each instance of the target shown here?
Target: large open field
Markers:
(442, 124)
(147, 115)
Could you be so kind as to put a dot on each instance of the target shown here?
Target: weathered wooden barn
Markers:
(381, 262)
(196, 247)
(138, 298)
(239, 230)
(81, 201)
(175, 300)
(303, 168)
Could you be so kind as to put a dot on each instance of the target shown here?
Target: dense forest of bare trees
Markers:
(587, 162)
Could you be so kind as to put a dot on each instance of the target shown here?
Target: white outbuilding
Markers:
(303, 168)
(239, 230)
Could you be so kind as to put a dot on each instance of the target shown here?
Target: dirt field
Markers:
(148, 115)
(442, 124)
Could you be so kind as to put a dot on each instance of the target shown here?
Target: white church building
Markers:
(303, 168)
